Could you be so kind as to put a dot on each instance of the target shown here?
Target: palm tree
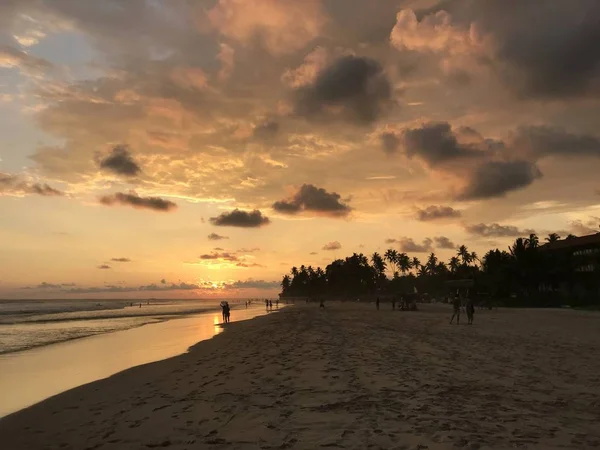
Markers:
(378, 265)
(432, 263)
(286, 283)
(474, 257)
(454, 264)
(404, 263)
(391, 256)
(294, 271)
(553, 237)
(415, 263)
(464, 255)
(533, 241)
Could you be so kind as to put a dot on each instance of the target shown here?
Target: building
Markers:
(575, 266)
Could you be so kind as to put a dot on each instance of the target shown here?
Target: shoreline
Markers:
(53, 369)
(347, 377)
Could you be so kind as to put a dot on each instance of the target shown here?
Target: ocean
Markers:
(48, 347)
(26, 324)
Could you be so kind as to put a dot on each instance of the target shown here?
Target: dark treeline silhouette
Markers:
(528, 274)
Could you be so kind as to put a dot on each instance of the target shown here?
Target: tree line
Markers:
(523, 275)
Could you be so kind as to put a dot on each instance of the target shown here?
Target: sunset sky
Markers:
(154, 148)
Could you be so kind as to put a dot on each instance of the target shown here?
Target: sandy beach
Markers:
(346, 377)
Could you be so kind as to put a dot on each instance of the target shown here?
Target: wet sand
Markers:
(347, 377)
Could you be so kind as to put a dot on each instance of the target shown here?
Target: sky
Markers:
(182, 148)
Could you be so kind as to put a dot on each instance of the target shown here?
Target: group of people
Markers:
(469, 307)
(226, 311)
(269, 304)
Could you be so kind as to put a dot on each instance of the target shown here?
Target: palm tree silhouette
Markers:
(553, 237)
(454, 264)
(391, 256)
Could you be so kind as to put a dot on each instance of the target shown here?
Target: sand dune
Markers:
(347, 377)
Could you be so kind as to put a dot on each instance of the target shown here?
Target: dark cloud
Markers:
(219, 256)
(436, 143)
(547, 48)
(409, 245)
(437, 212)
(134, 200)
(335, 245)
(253, 284)
(540, 141)
(246, 265)
(497, 178)
(310, 198)
(313, 253)
(120, 162)
(14, 185)
(104, 267)
(391, 241)
(216, 237)
(44, 285)
(358, 85)
(239, 218)
(497, 230)
(121, 260)
(266, 130)
(444, 242)
(390, 142)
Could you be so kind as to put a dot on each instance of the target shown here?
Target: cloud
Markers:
(591, 226)
(120, 162)
(134, 200)
(391, 241)
(352, 88)
(437, 143)
(409, 245)
(247, 265)
(253, 284)
(540, 141)
(216, 237)
(497, 178)
(249, 250)
(123, 289)
(496, 230)
(281, 26)
(437, 212)
(11, 57)
(313, 253)
(444, 242)
(266, 130)
(219, 256)
(242, 219)
(390, 142)
(335, 245)
(310, 198)
(104, 267)
(16, 186)
(44, 285)
(121, 260)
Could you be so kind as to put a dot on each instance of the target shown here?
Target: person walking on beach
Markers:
(271, 305)
(377, 303)
(456, 308)
(470, 311)
(267, 304)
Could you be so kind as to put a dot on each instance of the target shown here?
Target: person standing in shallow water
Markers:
(456, 308)
(470, 311)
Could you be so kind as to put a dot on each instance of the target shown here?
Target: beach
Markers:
(348, 377)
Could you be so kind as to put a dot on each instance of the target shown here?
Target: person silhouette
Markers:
(456, 309)
(377, 303)
(470, 311)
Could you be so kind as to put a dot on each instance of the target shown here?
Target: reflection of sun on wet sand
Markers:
(346, 377)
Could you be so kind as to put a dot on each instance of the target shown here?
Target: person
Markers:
(377, 303)
(322, 304)
(223, 311)
(227, 313)
(277, 303)
(394, 302)
(271, 304)
(456, 307)
(267, 304)
(470, 311)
